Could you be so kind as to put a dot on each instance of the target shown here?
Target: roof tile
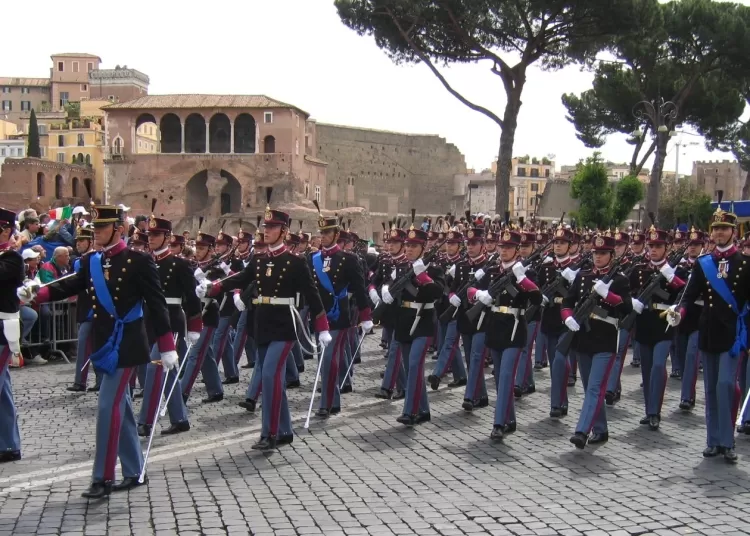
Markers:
(200, 101)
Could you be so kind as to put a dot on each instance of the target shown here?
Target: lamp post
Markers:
(660, 116)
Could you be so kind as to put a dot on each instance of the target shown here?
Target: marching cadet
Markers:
(525, 374)
(336, 274)
(596, 347)
(220, 345)
(200, 357)
(120, 281)
(12, 277)
(458, 271)
(279, 276)
(293, 243)
(552, 325)
(653, 334)
(722, 280)
(178, 285)
(380, 275)
(242, 342)
(138, 242)
(177, 245)
(414, 323)
(506, 329)
(540, 346)
(84, 245)
(637, 249)
(687, 330)
(490, 243)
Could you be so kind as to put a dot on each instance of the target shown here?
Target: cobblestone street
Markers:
(360, 472)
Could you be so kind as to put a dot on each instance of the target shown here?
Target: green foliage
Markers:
(33, 150)
(684, 203)
(602, 204)
(73, 110)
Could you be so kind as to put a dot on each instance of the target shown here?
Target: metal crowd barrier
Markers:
(55, 331)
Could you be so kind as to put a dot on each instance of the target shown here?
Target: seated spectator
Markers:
(29, 316)
(57, 267)
(29, 229)
(31, 258)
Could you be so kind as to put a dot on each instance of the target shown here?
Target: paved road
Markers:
(362, 473)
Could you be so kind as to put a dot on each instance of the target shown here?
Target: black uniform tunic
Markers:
(11, 274)
(404, 317)
(344, 270)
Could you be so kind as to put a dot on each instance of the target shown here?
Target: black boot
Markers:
(434, 381)
(10, 456)
(177, 428)
(424, 417)
(711, 452)
(384, 394)
(509, 428)
(408, 420)
(144, 430)
(579, 439)
(230, 381)
(458, 383)
(483, 402)
(248, 404)
(129, 483)
(98, 490)
(323, 413)
(213, 398)
(468, 405)
(687, 405)
(609, 398)
(497, 433)
(400, 395)
(730, 456)
(265, 443)
(95, 388)
(653, 422)
(76, 388)
(598, 439)
(293, 384)
(347, 389)
(518, 392)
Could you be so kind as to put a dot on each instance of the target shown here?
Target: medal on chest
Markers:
(723, 268)
(269, 267)
(107, 266)
(327, 264)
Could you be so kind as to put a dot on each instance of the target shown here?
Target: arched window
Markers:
(269, 144)
(40, 184)
(118, 145)
(75, 186)
(58, 187)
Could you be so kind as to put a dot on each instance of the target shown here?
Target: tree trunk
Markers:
(746, 186)
(654, 185)
(505, 154)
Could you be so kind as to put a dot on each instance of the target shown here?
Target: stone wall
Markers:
(388, 172)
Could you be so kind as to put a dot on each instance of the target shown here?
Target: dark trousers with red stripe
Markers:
(272, 360)
(450, 353)
(199, 354)
(614, 384)
(394, 378)
(222, 347)
(654, 374)
(690, 371)
(333, 360)
(476, 387)
(116, 429)
(525, 368)
(415, 354)
(559, 372)
(155, 377)
(595, 371)
(723, 398)
(506, 366)
(10, 438)
(84, 351)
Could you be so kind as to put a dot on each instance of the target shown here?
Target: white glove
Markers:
(387, 298)
(367, 326)
(26, 293)
(192, 337)
(673, 316)
(169, 359)
(484, 297)
(547, 260)
(238, 303)
(202, 289)
(479, 274)
(545, 300)
(225, 267)
(571, 324)
(638, 305)
(393, 274)
(374, 296)
(419, 267)
(668, 272)
(455, 301)
(519, 270)
(569, 275)
(325, 338)
(602, 289)
(199, 275)
(452, 271)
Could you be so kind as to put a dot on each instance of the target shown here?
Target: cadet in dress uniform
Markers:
(220, 343)
(490, 243)
(120, 281)
(293, 243)
(596, 348)
(525, 374)
(242, 340)
(11, 276)
(84, 245)
(506, 328)
(722, 280)
(177, 245)
(457, 274)
(337, 274)
(540, 345)
(414, 323)
(178, 285)
(279, 276)
(653, 334)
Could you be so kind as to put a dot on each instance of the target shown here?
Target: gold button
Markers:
(92, 288)
(129, 261)
(124, 270)
(93, 306)
(119, 278)
(94, 316)
(116, 298)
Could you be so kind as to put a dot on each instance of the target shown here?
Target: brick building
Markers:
(726, 175)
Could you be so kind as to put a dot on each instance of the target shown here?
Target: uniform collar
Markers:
(281, 248)
(111, 251)
(562, 262)
(162, 253)
(477, 260)
(454, 258)
(659, 264)
(399, 259)
(728, 252)
(329, 252)
(602, 271)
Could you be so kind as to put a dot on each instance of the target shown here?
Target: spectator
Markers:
(31, 259)
(425, 224)
(29, 316)
(30, 229)
(57, 267)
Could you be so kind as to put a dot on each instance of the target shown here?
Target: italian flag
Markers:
(62, 213)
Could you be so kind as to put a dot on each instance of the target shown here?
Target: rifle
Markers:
(404, 282)
(462, 293)
(585, 309)
(651, 289)
(504, 283)
(556, 286)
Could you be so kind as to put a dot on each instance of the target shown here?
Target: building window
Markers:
(25, 106)
(296, 146)
(42, 131)
(534, 187)
(44, 152)
(317, 194)
(25, 91)
(84, 87)
(522, 172)
(61, 157)
(80, 140)
(268, 117)
(296, 117)
(6, 89)
(546, 173)
(61, 140)
(75, 66)
(64, 96)
(20, 152)
(2, 151)
(7, 106)
(534, 172)
(60, 66)
(90, 66)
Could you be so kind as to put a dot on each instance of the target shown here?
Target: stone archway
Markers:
(211, 194)
(219, 132)
(195, 134)
(231, 194)
(170, 129)
(147, 134)
(196, 201)
(244, 134)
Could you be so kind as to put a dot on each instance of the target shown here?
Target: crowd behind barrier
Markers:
(50, 331)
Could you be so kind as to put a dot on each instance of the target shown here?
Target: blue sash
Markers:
(710, 270)
(107, 357)
(333, 314)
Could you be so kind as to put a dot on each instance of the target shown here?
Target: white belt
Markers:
(608, 319)
(264, 300)
(206, 301)
(349, 295)
(502, 309)
(416, 305)
(660, 306)
(12, 330)
(9, 316)
(558, 300)
(174, 301)
(698, 302)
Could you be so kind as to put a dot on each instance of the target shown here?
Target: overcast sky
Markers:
(298, 51)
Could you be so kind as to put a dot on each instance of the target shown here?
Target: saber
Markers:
(742, 411)
(361, 340)
(416, 319)
(481, 319)
(176, 381)
(315, 385)
(151, 435)
(515, 326)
